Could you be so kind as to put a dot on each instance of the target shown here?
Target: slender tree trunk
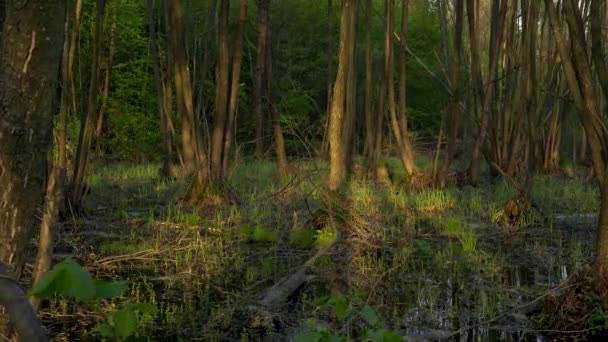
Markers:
(74, 34)
(260, 76)
(369, 105)
(106, 80)
(160, 95)
(30, 56)
(222, 90)
(454, 106)
(279, 140)
(330, 74)
(398, 121)
(195, 159)
(89, 117)
(337, 150)
(233, 103)
(488, 91)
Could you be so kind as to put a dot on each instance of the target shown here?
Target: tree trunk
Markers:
(578, 72)
(237, 60)
(29, 66)
(160, 96)
(88, 118)
(74, 34)
(398, 121)
(454, 106)
(106, 81)
(330, 72)
(222, 90)
(369, 105)
(194, 154)
(259, 97)
(337, 150)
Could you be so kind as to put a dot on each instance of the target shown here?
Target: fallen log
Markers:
(274, 297)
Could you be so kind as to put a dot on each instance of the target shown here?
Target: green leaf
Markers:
(376, 335)
(124, 322)
(370, 316)
(391, 336)
(144, 308)
(106, 289)
(312, 336)
(341, 304)
(66, 278)
(104, 330)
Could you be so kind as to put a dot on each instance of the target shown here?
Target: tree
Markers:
(337, 129)
(579, 73)
(261, 75)
(29, 67)
(89, 117)
(227, 87)
(160, 93)
(454, 106)
(194, 154)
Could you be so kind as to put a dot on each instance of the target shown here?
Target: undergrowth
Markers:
(440, 263)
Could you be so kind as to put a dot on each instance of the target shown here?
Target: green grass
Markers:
(200, 266)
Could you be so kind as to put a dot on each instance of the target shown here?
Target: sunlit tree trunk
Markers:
(195, 159)
(337, 150)
(397, 114)
(89, 115)
(30, 56)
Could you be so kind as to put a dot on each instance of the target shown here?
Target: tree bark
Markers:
(578, 73)
(160, 96)
(259, 96)
(398, 120)
(194, 155)
(337, 150)
(29, 67)
(369, 105)
(454, 106)
(222, 90)
(233, 101)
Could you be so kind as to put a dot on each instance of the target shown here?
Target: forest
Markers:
(303, 170)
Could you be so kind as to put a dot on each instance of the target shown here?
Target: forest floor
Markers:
(442, 268)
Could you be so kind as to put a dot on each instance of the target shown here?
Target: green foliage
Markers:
(68, 279)
(123, 323)
(351, 307)
(302, 238)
